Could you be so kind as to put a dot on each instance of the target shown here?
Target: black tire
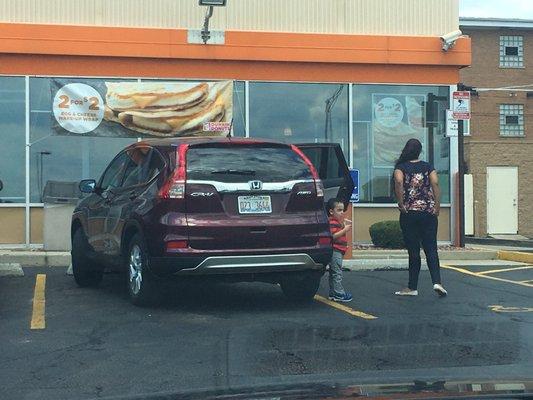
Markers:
(301, 287)
(86, 272)
(142, 292)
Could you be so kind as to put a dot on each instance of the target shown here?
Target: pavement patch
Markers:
(38, 314)
(502, 309)
(344, 308)
(11, 269)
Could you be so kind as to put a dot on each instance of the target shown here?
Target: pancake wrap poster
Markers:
(395, 120)
(156, 109)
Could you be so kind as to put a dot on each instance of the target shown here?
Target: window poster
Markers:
(151, 109)
(396, 119)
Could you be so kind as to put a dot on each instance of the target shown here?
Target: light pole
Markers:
(206, 34)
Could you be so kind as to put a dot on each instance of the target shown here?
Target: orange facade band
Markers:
(108, 51)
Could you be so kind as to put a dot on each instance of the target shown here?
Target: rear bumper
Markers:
(213, 264)
(255, 264)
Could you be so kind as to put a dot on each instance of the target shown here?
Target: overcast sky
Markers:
(522, 9)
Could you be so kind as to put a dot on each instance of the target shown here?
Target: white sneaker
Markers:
(406, 292)
(440, 290)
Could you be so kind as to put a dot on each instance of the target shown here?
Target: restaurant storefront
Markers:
(367, 93)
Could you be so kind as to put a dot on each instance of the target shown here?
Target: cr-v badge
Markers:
(202, 194)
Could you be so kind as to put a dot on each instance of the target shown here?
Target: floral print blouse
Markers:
(417, 192)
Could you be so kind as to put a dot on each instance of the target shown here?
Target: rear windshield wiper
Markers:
(234, 171)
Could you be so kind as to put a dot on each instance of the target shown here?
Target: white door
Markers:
(502, 200)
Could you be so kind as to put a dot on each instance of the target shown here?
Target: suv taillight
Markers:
(174, 188)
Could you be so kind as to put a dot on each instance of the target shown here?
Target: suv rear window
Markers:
(243, 163)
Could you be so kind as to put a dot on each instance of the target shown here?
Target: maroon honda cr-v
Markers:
(236, 209)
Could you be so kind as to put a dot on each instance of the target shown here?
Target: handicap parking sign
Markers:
(354, 173)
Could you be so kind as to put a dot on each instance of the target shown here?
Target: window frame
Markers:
(508, 60)
(514, 130)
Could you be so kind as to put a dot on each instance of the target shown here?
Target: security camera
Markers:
(448, 40)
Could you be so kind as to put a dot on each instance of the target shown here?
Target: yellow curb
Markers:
(515, 256)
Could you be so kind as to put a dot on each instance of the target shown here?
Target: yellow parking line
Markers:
(37, 318)
(467, 272)
(341, 307)
(493, 271)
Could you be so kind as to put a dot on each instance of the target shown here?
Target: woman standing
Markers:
(416, 186)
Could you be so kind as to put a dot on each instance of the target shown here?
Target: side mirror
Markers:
(1, 185)
(87, 185)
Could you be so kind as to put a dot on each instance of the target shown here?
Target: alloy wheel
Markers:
(135, 269)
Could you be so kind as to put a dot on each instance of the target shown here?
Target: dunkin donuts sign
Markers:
(150, 109)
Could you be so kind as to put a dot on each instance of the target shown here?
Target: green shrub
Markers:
(387, 234)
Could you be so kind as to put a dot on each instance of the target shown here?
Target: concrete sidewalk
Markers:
(362, 259)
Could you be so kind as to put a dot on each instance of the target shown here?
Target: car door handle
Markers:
(258, 230)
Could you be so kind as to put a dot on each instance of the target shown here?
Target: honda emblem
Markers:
(256, 185)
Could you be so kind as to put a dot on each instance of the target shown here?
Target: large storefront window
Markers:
(300, 112)
(13, 131)
(385, 117)
(62, 158)
(239, 109)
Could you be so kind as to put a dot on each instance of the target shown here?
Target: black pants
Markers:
(420, 227)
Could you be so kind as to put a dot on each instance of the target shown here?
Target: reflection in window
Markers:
(12, 127)
(385, 117)
(245, 163)
(300, 112)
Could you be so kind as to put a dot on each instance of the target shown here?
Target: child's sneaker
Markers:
(345, 298)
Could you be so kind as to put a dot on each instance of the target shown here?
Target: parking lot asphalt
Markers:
(59, 341)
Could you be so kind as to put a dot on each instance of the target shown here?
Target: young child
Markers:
(339, 227)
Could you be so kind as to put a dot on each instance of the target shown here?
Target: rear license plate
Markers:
(254, 204)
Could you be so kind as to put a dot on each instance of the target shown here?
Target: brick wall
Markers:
(485, 147)
(485, 70)
(483, 155)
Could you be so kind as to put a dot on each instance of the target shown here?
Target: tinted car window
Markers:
(325, 161)
(245, 163)
(334, 168)
(138, 158)
(155, 166)
(113, 175)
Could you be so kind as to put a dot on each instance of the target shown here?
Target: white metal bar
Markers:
(237, 79)
(27, 155)
(350, 125)
(247, 107)
(454, 170)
